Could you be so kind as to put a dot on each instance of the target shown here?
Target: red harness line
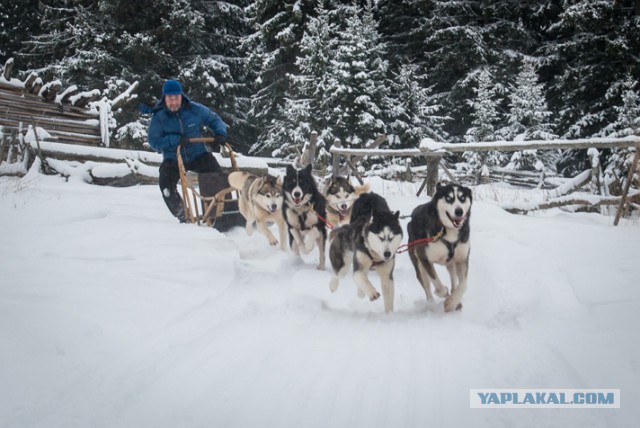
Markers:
(324, 220)
(402, 248)
(406, 247)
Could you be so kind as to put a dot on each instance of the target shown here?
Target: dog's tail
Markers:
(238, 178)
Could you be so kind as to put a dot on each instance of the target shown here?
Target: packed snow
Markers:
(112, 314)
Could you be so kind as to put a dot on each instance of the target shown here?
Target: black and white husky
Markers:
(439, 233)
(304, 212)
(369, 242)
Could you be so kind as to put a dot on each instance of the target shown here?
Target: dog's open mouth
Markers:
(457, 221)
(297, 201)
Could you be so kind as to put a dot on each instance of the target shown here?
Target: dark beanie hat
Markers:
(172, 87)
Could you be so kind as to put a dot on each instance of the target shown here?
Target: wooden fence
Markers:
(434, 152)
(68, 116)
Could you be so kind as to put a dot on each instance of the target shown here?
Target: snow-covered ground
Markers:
(114, 315)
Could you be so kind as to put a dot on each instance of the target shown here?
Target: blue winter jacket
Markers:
(167, 128)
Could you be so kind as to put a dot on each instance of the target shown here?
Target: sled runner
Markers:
(211, 195)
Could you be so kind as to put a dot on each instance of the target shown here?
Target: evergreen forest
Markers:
(276, 70)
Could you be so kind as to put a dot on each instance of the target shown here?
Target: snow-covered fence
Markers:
(67, 115)
(434, 152)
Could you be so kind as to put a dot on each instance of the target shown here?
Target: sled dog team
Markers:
(365, 234)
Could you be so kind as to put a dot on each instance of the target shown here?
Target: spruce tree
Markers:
(18, 20)
(357, 94)
(485, 116)
(303, 111)
(273, 47)
(414, 114)
(627, 123)
(529, 119)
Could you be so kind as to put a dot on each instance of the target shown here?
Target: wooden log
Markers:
(71, 90)
(36, 87)
(513, 146)
(50, 90)
(372, 145)
(565, 201)
(31, 79)
(83, 99)
(125, 97)
(8, 69)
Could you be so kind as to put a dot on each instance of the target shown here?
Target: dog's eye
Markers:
(462, 198)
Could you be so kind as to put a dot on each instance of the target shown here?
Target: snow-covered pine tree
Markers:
(398, 21)
(357, 93)
(414, 114)
(485, 117)
(216, 75)
(592, 46)
(18, 20)
(529, 119)
(626, 123)
(278, 26)
(303, 112)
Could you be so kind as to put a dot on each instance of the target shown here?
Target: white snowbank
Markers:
(113, 314)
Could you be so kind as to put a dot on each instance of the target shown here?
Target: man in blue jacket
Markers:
(175, 120)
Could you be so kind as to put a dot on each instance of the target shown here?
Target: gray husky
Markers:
(369, 242)
(439, 233)
(260, 201)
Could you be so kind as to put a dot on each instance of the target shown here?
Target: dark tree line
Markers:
(278, 69)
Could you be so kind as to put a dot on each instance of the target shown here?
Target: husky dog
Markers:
(341, 195)
(444, 221)
(369, 242)
(260, 201)
(304, 212)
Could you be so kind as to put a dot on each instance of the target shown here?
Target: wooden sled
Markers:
(211, 200)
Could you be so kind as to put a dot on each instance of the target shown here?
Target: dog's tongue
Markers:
(297, 201)
(457, 221)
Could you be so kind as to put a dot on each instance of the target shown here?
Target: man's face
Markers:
(173, 102)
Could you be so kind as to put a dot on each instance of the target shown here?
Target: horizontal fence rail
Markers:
(432, 148)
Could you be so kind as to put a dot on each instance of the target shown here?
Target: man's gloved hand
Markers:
(184, 141)
(218, 144)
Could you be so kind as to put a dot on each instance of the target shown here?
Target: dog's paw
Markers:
(249, 228)
(309, 246)
(442, 292)
(333, 284)
(303, 249)
(374, 296)
(450, 304)
(273, 241)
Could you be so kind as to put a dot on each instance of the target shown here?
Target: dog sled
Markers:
(209, 199)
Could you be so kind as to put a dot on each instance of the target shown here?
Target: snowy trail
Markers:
(117, 316)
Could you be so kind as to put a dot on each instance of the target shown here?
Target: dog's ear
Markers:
(439, 186)
(290, 169)
(307, 169)
(279, 180)
(396, 215)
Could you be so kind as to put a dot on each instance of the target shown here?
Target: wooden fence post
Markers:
(623, 199)
(335, 158)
